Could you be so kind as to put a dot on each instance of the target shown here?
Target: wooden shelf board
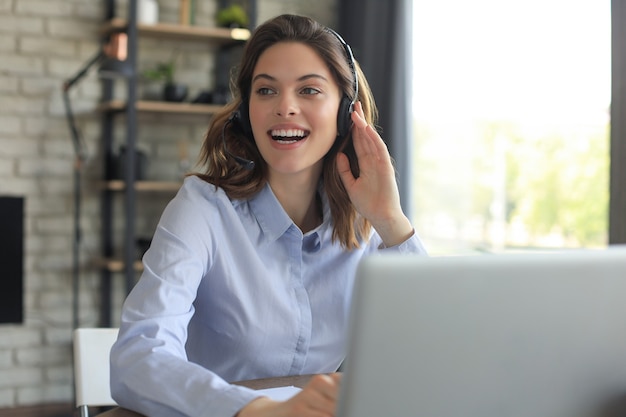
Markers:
(174, 31)
(161, 107)
(161, 186)
(116, 265)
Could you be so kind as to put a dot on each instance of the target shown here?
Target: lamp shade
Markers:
(114, 62)
(113, 68)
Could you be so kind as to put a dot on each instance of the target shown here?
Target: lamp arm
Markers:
(79, 144)
(83, 71)
(80, 149)
(117, 48)
(81, 155)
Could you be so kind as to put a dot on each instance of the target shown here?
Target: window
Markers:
(511, 115)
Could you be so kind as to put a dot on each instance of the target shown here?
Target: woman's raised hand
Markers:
(375, 192)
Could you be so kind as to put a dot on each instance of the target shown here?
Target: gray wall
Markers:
(43, 42)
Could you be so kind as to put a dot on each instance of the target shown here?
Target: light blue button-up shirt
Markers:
(232, 290)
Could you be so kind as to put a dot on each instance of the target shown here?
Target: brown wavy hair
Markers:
(220, 169)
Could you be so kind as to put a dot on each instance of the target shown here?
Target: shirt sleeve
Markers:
(413, 245)
(150, 371)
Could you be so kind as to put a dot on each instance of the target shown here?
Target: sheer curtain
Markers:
(379, 33)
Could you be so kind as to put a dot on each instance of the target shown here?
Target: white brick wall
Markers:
(43, 42)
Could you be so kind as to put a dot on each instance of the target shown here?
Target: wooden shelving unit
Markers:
(129, 186)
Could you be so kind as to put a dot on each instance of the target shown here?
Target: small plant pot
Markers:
(174, 92)
(151, 90)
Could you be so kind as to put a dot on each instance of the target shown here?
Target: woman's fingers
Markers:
(343, 166)
(360, 135)
(374, 193)
(318, 397)
(326, 385)
(367, 141)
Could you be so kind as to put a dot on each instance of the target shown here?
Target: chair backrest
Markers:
(91, 367)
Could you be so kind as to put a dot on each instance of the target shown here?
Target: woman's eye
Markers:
(310, 90)
(264, 91)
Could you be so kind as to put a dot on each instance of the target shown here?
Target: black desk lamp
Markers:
(113, 64)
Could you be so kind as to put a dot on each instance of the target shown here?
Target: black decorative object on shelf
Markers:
(175, 92)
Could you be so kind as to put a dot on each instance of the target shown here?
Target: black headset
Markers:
(241, 118)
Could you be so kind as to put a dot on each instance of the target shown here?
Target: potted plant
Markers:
(164, 72)
(233, 16)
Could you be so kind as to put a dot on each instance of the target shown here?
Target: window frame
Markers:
(617, 191)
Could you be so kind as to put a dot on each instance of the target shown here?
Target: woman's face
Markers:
(294, 102)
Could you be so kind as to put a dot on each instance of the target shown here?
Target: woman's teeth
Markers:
(288, 135)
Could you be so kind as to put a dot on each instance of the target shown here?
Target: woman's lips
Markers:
(287, 136)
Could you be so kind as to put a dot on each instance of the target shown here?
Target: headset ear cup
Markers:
(344, 120)
(244, 118)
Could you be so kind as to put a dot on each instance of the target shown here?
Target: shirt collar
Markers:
(270, 215)
(273, 219)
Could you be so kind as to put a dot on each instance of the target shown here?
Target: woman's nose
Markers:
(286, 106)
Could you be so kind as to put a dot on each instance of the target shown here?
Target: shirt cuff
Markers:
(232, 401)
(412, 245)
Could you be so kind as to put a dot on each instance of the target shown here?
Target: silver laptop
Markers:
(539, 335)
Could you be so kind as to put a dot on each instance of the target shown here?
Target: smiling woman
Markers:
(250, 270)
(511, 108)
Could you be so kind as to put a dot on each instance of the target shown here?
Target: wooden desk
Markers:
(283, 381)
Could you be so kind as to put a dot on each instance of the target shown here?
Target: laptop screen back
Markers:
(493, 335)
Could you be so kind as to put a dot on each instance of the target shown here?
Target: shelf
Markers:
(159, 186)
(115, 265)
(182, 32)
(161, 107)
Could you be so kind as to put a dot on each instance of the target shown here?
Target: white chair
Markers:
(91, 367)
